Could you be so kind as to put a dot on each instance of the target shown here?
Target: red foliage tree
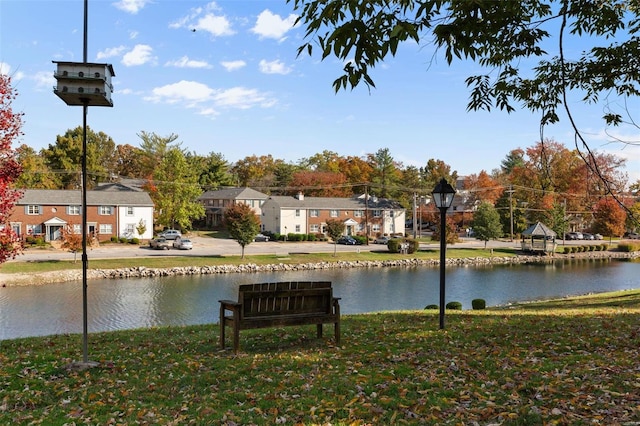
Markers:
(321, 184)
(10, 169)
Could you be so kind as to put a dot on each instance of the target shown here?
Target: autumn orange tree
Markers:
(321, 184)
(10, 169)
(71, 240)
(609, 218)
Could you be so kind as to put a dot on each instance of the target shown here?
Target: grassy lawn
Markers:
(573, 361)
(292, 258)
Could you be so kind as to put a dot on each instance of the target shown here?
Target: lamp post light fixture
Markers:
(443, 197)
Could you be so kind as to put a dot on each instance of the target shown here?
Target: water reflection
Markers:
(135, 303)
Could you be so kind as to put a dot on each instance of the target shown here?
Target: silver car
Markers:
(183, 244)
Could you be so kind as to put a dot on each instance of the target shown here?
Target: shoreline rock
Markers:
(9, 280)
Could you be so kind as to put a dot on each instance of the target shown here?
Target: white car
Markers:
(183, 244)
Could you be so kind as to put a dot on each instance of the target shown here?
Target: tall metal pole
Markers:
(85, 260)
(443, 248)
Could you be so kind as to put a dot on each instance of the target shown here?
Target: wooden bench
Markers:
(280, 304)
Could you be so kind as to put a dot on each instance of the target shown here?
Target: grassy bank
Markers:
(573, 361)
(290, 258)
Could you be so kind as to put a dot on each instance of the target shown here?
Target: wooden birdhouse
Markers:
(83, 83)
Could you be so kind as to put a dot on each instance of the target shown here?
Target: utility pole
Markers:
(510, 191)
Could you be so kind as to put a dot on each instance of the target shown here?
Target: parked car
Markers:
(347, 240)
(573, 236)
(261, 237)
(160, 243)
(597, 236)
(170, 234)
(381, 240)
(182, 244)
(587, 236)
(632, 235)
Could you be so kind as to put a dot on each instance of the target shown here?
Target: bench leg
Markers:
(221, 327)
(236, 334)
(319, 328)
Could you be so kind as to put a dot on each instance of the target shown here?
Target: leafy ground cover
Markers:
(573, 361)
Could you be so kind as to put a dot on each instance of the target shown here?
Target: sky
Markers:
(224, 76)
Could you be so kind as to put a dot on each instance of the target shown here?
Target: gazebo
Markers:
(539, 238)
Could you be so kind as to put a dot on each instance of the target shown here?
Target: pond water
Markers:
(138, 303)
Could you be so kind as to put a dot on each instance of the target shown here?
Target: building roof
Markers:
(539, 229)
(333, 203)
(234, 194)
(94, 198)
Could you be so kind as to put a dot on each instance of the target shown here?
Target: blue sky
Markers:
(235, 86)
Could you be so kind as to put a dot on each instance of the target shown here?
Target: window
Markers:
(298, 229)
(358, 213)
(334, 213)
(314, 228)
(375, 227)
(377, 213)
(77, 229)
(314, 213)
(129, 211)
(34, 229)
(297, 212)
(106, 228)
(32, 209)
(130, 228)
(105, 210)
(73, 210)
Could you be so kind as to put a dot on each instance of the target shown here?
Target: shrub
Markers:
(122, 240)
(478, 304)
(394, 245)
(414, 245)
(456, 306)
(592, 248)
(567, 250)
(114, 239)
(628, 247)
(432, 307)
(360, 239)
(604, 247)
(134, 241)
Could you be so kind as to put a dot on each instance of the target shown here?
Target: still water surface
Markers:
(136, 303)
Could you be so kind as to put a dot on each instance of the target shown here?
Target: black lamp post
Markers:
(443, 197)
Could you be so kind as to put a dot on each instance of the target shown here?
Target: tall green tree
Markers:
(154, 149)
(213, 170)
(176, 191)
(385, 173)
(242, 223)
(486, 223)
(558, 219)
(35, 172)
(65, 157)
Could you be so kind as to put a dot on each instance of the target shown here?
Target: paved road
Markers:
(205, 246)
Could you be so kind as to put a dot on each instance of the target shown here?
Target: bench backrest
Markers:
(285, 298)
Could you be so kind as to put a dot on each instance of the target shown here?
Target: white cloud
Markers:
(131, 6)
(190, 92)
(193, 94)
(5, 69)
(269, 25)
(233, 65)
(185, 62)
(274, 67)
(242, 98)
(44, 80)
(205, 19)
(217, 26)
(133, 35)
(139, 55)
(111, 52)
